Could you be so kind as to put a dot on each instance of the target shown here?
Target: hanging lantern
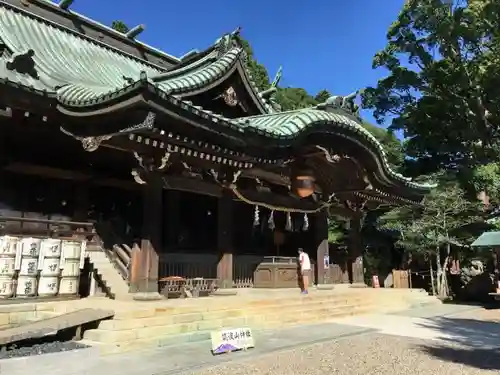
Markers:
(303, 182)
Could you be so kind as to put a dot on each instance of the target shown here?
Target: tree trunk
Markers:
(431, 269)
(444, 292)
(439, 270)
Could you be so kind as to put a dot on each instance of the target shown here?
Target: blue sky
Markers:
(321, 44)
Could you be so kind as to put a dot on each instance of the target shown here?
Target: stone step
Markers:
(109, 274)
(200, 323)
(110, 342)
(165, 318)
(214, 305)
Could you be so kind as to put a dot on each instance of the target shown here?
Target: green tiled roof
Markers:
(487, 239)
(82, 72)
(287, 125)
(79, 69)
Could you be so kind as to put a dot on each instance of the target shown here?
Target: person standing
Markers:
(305, 270)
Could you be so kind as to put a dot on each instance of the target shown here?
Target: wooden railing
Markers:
(195, 266)
(47, 229)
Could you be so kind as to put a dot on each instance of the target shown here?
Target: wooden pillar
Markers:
(322, 249)
(355, 250)
(225, 241)
(82, 203)
(171, 224)
(146, 287)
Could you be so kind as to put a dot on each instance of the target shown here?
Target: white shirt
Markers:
(305, 262)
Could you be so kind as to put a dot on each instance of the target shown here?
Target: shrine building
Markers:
(180, 167)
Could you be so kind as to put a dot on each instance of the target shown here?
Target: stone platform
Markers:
(140, 325)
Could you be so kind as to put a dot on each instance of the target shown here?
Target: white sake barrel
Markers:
(31, 247)
(6, 287)
(50, 267)
(26, 286)
(71, 268)
(48, 286)
(29, 266)
(51, 248)
(8, 245)
(69, 285)
(7, 265)
(71, 249)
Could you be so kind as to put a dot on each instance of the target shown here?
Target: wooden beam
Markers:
(321, 243)
(179, 183)
(63, 174)
(225, 241)
(151, 242)
(192, 185)
(46, 221)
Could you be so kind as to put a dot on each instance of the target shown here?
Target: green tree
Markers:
(322, 96)
(441, 224)
(392, 146)
(337, 232)
(290, 98)
(258, 71)
(443, 87)
(120, 26)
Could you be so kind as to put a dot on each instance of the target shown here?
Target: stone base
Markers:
(325, 286)
(147, 296)
(225, 292)
(358, 285)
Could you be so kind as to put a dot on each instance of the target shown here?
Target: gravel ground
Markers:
(37, 349)
(367, 354)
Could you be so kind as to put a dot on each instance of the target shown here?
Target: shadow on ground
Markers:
(469, 342)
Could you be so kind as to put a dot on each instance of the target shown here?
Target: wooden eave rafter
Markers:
(205, 123)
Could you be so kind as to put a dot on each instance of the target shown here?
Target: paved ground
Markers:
(447, 339)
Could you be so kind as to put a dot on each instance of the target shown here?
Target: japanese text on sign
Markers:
(230, 340)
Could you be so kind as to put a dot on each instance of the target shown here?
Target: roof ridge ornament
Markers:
(132, 33)
(65, 4)
(268, 94)
(23, 63)
(274, 85)
(228, 41)
(344, 103)
(277, 77)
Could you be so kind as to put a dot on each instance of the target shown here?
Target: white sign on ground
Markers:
(230, 340)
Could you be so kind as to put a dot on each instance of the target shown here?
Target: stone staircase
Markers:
(108, 277)
(168, 324)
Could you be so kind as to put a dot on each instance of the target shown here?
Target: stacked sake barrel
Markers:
(28, 266)
(49, 265)
(72, 261)
(8, 251)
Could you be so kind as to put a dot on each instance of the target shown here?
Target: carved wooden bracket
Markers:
(91, 144)
(149, 164)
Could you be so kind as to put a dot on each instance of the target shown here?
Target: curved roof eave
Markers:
(288, 125)
(283, 126)
(214, 67)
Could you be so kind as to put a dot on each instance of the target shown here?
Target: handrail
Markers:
(47, 221)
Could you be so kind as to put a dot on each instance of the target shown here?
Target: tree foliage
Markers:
(443, 87)
(440, 225)
(120, 26)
